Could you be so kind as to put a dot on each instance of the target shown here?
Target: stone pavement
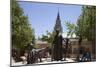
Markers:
(44, 61)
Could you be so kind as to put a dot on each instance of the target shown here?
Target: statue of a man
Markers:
(57, 47)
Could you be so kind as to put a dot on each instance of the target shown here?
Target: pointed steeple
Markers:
(58, 24)
(58, 16)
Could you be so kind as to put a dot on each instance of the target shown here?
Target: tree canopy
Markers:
(86, 24)
(22, 33)
(70, 28)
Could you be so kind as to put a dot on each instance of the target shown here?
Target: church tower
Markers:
(58, 24)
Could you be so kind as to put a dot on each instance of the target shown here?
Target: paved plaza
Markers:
(45, 61)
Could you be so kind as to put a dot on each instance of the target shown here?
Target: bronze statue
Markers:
(57, 47)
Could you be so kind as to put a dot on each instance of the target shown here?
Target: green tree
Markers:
(44, 38)
(22, 33)
(86, 24)
(48, 37)
(70, 28)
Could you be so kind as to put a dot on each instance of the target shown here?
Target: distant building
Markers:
(74, 47)
(41, 44)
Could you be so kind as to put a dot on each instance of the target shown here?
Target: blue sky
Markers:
(42, 16)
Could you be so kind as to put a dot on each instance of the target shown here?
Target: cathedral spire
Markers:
(58, 16)
(58, 23)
